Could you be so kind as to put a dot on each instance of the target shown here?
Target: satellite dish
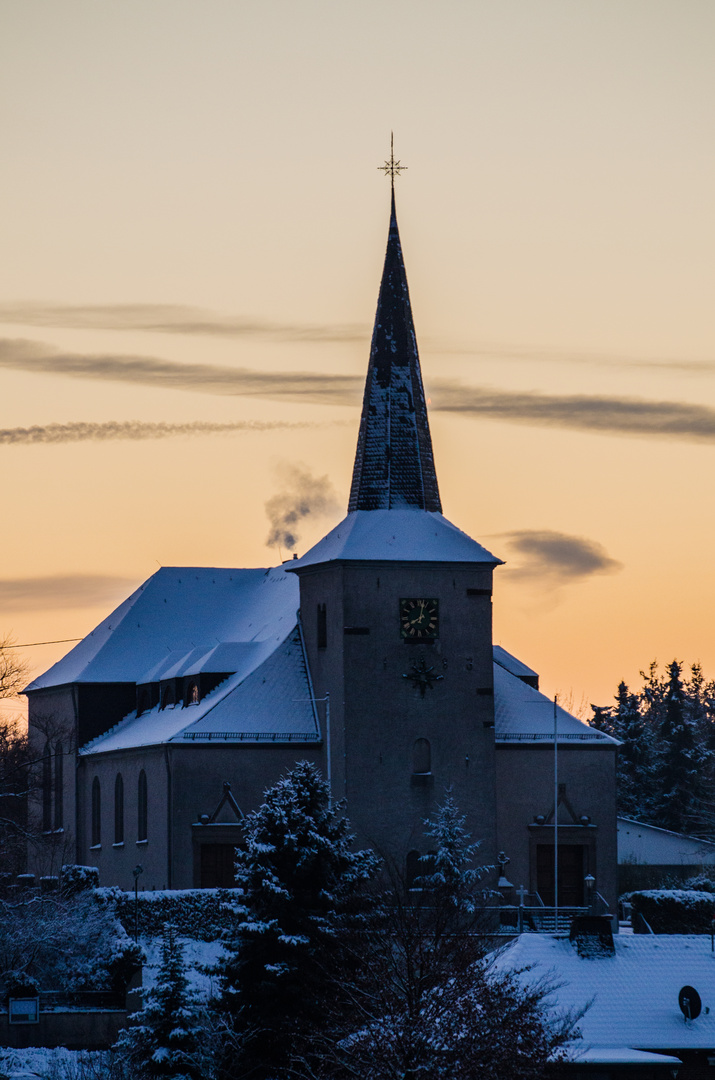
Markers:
(690, 1003)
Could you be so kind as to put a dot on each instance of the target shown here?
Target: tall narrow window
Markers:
(322, 627)
(59, 785)
(141, 807)
(47, 789)
(119, 810)
(421, 756)
(193, 698)
(96, 813)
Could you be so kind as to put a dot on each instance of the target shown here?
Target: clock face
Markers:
(419, 619)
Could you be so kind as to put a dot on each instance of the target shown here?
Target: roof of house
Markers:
(405, 535)
(633, 995)
(184, 620)
(650, 846)
(524, 715)
(273, 702)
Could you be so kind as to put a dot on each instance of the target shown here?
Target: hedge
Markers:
(674, 911)
(202, 914)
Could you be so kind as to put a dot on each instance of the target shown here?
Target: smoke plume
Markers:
(304, 496)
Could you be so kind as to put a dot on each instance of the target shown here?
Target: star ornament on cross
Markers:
(392, 168)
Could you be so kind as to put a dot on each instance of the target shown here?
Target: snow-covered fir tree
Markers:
(165, 1039)
(302, 886)
(666, 764)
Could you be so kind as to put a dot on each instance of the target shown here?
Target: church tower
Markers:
(395, 605)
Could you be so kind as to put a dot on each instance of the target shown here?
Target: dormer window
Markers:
(192, 695)
(168, 696)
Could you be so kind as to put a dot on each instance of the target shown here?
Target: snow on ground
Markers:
(58, 1064)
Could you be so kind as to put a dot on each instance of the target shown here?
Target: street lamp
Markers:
(589, 881)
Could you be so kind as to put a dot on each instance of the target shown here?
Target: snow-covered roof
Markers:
(184, 620)
(634, 994)
(408, 534)
(649, 845)
(273, 701)
(516, 667)
(523, 714)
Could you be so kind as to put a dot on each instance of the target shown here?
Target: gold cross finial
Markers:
(392, 168)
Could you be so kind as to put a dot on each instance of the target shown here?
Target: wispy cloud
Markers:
(555, 558)
(579, 412)
(62, 591)
(133, 429)
(171, 319)
(35, 357)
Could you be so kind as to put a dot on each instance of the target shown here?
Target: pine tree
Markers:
(301, 883)
(165, 1041)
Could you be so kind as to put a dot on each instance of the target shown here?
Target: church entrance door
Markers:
(571, 874)
(217, 866)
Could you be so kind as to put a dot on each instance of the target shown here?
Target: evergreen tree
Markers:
(422, 1002)
(666, 762)
(301, 883)
(165, 1041)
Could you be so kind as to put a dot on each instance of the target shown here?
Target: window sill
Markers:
(120, 843)
(140, 842)
(96, 847)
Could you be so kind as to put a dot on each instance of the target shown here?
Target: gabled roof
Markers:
(394, 464)
(404, 535)
(633, 995)
(184, 620)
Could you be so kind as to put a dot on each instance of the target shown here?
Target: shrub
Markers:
(675, 911)
(202, 914)
(76, 879)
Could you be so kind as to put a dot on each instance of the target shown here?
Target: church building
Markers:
(371, 655)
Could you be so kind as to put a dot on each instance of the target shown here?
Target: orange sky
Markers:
(192, 218)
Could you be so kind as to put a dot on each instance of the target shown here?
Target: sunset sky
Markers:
(192, 228)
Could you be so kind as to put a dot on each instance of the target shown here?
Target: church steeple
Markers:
(394, 465)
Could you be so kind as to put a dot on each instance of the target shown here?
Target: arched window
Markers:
(96, 813)
(119, 810)
(141, 807)
(192, 697)
(47, 789)
(168, 695)
(59, 785)
(422, 756)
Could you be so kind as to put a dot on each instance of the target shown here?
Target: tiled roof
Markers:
(394, 465)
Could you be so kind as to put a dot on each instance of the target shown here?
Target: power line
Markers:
(31, 644)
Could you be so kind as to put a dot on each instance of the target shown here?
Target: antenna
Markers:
(690, 1003)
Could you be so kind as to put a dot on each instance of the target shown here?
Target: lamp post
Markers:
(589, 881)
(138, 869)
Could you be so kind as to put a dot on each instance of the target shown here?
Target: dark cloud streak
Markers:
(557, 558)
(113, 430)
(33, 357)
(170, 319)
(578, 412)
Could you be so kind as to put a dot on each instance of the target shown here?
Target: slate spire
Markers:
(394, 466)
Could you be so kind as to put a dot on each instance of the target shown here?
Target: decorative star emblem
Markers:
(422, 677)
(392, 168)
